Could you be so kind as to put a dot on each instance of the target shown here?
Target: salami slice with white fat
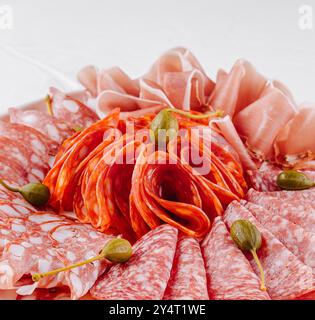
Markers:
(298, 212)
(307, 196)
(286, 276)
(145, 275)
(51, 241)
(74, 112)
(34, 166)
(299, 241)
(56, 129)
(39, 143)
(230, 275)
(188, 279)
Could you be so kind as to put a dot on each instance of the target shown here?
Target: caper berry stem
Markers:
(38, 276)
(9, 187)
(218, 113)
(49, 105)
(116, 250)
(261, 270)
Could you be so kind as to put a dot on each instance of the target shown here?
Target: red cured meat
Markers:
(299, 241)
(12, 172)
(188, 276)
(72, 111)
(306, 196)
(34, 166)
(38, 142)
(230, 275)
(145, 275)
(10, 209)
(56, 129)
(286, 276)
(50, 241)
(301, 213)
(61, 179)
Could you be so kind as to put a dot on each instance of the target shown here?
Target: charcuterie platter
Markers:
(170, 186)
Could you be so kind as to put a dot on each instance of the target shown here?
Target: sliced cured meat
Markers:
(129, 105)
(172, 196)
(188, 279)
(56, 129)
(38, 142)
(286, 276)
(230, 275)
(9, 209)
(34, 166)
(295, 142)
(145, 275)
(50, 241)
(301, 213)
(299, 241)
(237, 89)
(260, 123)
(300, 195)
(230, 134)
(72, 111)
(62, 178)
(12, 172)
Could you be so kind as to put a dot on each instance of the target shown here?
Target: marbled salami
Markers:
(230, 275)
(286, 276)
(299, 241)
(56, 129)
(145, 275)
(298, 212)
(188, 279)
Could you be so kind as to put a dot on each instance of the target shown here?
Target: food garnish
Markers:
(49, 105)
(248, 238)
(116, 250)
(36, 194)
(164, 126)
(294, 180)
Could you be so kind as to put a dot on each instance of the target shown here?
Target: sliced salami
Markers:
(230, 275)
(188, 279)
(37, 141)
(299, 241)
(145, 275)
(286, 276)
(49, 241)
(298, 212)
(11, 171)
(34, 166)
(56, 129)
(72, 111)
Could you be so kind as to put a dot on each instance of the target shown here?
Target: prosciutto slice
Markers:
(296, 140)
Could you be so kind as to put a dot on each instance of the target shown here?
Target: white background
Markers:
(51, 40)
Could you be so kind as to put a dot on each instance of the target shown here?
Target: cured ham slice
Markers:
(50, 241)
(286, 276)
(72, 111)
(301, 213)
(238, 89)
(230, 275)
(299, 241)
(295, 142)
(230, 134)
(129, 105)
(56, 129)
(188, 276)
(145, 275)
(260, 123)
